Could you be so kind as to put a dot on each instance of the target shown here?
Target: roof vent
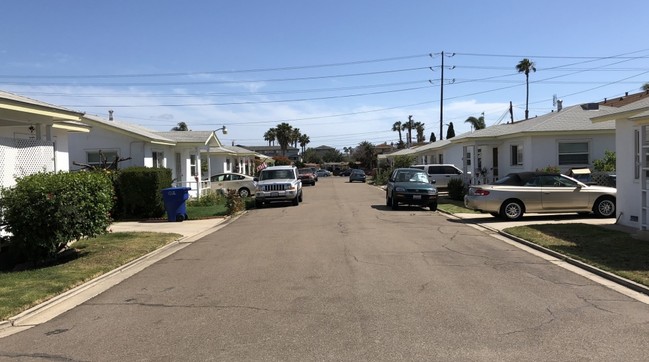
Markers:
(590, 106)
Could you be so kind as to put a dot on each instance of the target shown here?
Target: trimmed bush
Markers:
(44, 212)
(140, 192)
(456, 189)
(233, 202)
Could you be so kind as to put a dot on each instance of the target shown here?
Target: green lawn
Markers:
(21, 290)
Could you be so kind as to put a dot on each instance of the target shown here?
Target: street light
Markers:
(224, 129)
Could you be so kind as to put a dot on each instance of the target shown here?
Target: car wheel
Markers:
(296, 201)
(433, 206)
(244, 192)
(604, 207)
(388, 200)
(512, 210)
(394, 203)
(300, 197)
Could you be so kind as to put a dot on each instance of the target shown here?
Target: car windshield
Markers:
(276, 174)
(305, 170)
(412, 176)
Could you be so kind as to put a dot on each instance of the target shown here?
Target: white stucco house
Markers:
(565, 139)
(34, 136)
(192, 156)
(632, 161)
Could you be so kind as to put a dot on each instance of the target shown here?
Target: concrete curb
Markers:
(73, 297)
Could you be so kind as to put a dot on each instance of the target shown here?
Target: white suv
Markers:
(278, 183)
(440, 174)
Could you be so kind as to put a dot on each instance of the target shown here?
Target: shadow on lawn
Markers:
(615, 250)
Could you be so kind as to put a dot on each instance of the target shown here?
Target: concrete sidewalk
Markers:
(187, 228)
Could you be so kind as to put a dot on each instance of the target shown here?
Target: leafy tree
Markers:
(476, 123)
(403, 161)
(365, 154)
(606, 164)
(284, 135)
(182, 126)
(645, 87)
(332, 156)
(432, 137)
(311, 156)
(270, 136)
(282, 161)
(450, 132)
(526, 66)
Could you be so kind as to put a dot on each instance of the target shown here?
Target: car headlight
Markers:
(432, 192)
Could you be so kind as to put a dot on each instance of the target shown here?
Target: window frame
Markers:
(571, 155)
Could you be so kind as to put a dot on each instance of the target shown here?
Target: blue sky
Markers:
(341, 71)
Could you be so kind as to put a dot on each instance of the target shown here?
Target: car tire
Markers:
(388, 200)
(295, 201)
(244, 192)
(512, 210)
(300, 198)
(433, 206)
(604, 207)
(394, 204)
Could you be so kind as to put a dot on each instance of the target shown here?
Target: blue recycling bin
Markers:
(174, 200)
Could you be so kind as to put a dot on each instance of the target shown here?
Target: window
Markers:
(517, 155)
(468, 158)
(573, 153)
(158, 159)
(636, 151)
(192, 165)
(94, 159)
(441, 159)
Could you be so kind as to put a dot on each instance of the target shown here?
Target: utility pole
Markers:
(441, 101)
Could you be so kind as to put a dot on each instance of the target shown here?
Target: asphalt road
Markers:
(344, 278)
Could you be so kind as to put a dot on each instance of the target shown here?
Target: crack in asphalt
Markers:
(535, 327)
(43, 356)
(195, 306)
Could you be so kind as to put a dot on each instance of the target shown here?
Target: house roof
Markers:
(33, 102)
(624, 100)
(636, 109)
(128, 128)
(569, 119)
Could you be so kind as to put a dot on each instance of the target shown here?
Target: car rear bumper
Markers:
(414, 199)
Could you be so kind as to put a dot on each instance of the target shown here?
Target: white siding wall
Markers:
(629, 189)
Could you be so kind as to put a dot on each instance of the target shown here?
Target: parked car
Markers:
(345, 172)
(315, 173)
(278, 184)
(410, 186)
(244, 185)
(307, 176)
(440, 174)
(540, 192)
(323, 173)
(357, 175)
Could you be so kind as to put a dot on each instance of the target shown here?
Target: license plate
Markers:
(416, 197)
(274, 194)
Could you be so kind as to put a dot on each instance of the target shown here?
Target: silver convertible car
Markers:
(539, 192)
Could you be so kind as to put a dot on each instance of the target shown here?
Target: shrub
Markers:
(140, 192)
(549, 169)
(456, 189)
(44, 212)
(233, 202)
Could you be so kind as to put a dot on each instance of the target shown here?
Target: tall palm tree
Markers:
(270, 136)
(476, 123)
(408, 127)
(284, 136)
(304, 140)
(526, 66)
(295, 137)
(419, 127)
(396, 127)
(182, 126)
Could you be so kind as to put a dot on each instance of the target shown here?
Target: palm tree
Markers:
(526, 66)
(270, 136)
(304, 140)
(284, 136)
(295, 137)
(476, 123)
(396, 127)
(182, 126)
(408, 127)
(419, 127)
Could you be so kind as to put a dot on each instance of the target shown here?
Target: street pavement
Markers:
(191, 230)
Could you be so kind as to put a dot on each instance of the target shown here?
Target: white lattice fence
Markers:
(22, 157)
